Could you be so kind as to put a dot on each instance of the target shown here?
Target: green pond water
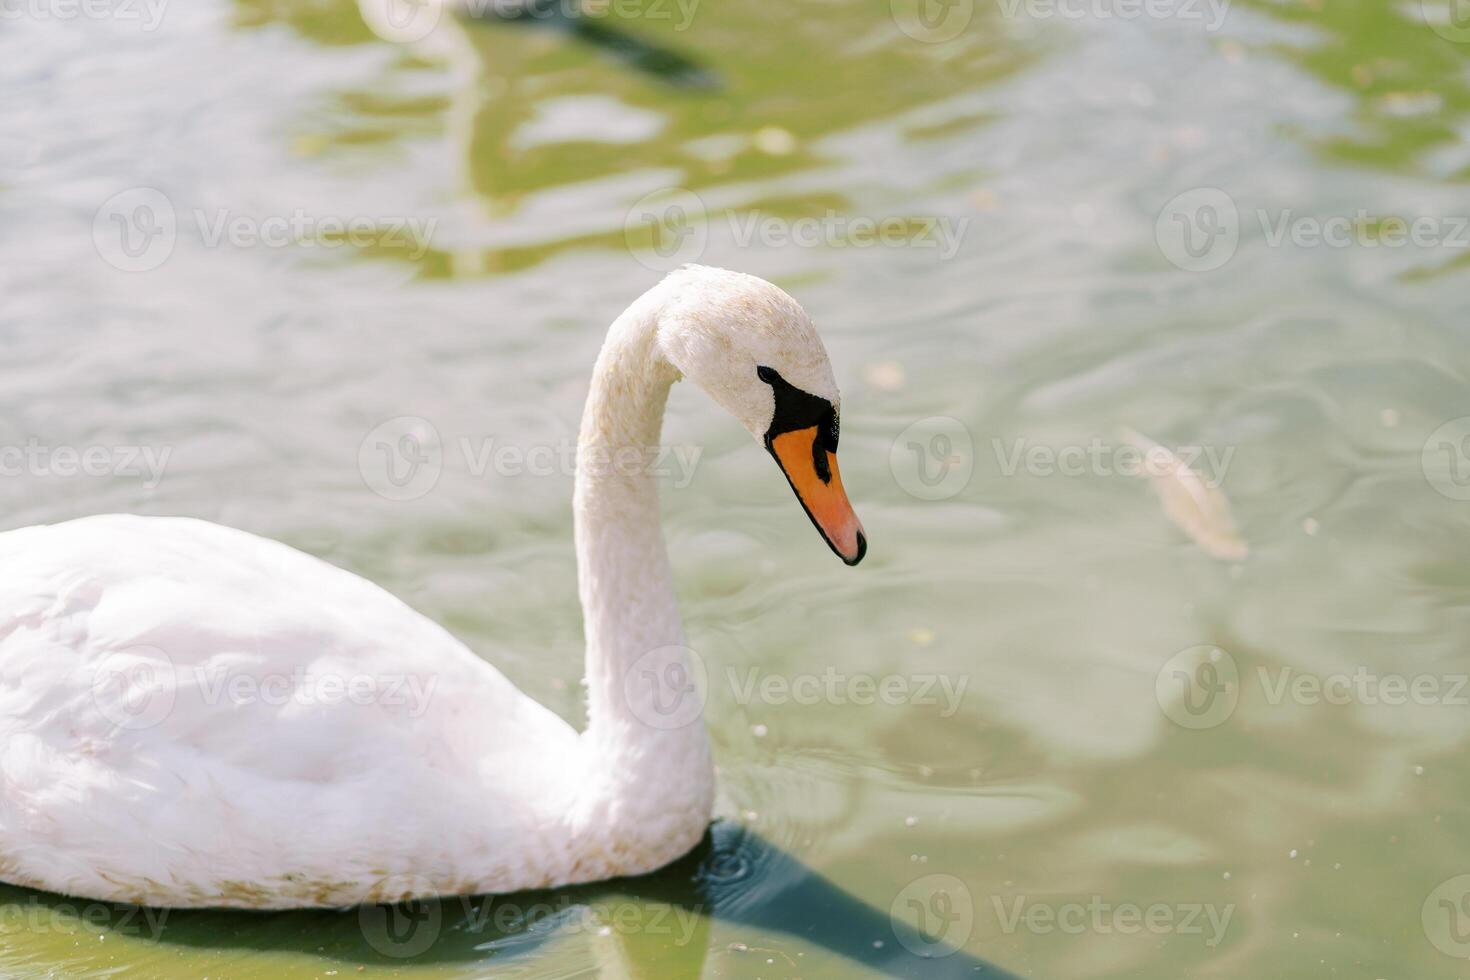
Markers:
(1041, 722)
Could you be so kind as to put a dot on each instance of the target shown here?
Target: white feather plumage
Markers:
(131, 770)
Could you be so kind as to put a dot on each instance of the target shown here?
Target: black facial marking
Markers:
(796, 410)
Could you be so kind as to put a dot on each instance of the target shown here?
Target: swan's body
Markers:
(194, 716)
(283, 801)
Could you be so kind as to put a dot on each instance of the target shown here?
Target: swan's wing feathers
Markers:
(228, 694)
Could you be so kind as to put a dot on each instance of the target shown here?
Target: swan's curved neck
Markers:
(642, 729)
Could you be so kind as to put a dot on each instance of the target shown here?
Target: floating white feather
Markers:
(1198, 509)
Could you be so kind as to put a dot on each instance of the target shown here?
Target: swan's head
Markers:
(755, 351)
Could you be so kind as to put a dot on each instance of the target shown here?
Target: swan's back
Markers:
(184, 705)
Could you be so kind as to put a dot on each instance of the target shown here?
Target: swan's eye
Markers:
(798, 409)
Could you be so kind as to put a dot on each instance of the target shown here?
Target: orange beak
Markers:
(812, 472)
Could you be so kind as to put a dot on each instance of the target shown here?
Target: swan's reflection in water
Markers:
(658, 925)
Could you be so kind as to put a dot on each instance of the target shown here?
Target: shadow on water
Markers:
(660, 63)
(655, 925)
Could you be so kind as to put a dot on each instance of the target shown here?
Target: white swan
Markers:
(194, 716)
